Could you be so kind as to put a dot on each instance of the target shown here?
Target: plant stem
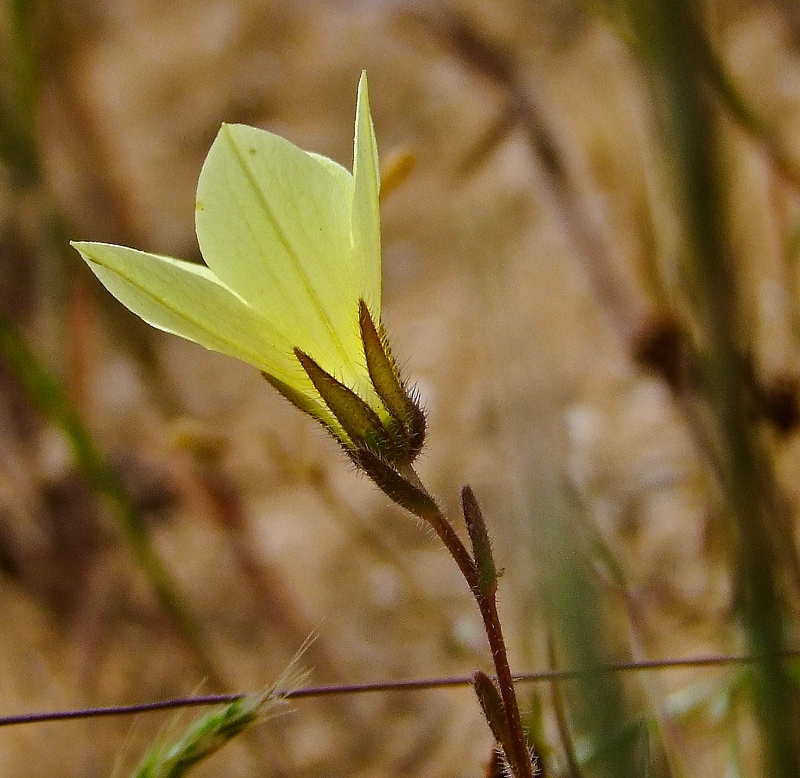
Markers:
(673, 52)
(505, 681)
(487, 605)
(444, 529)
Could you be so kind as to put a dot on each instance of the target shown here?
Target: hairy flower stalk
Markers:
(292, 286)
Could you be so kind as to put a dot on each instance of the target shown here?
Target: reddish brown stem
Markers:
(494, 633)
(444, 529)
(487, 604)
(505, 681)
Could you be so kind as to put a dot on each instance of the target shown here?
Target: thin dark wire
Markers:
(386, 686)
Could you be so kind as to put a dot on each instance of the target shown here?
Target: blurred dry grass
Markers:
(524, 374)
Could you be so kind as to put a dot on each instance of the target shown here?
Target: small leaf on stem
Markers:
(495, 713)
(481, 545)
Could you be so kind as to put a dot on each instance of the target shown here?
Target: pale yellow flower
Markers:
(292, 281)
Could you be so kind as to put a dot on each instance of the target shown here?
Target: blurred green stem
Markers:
(580, 633)
(45, 392)
(666, 33)
(19, 151)
(18, 146)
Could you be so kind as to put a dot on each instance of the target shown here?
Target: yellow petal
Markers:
(273, 224)
(366, 209)
(188, 300)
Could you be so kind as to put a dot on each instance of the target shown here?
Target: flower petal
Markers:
(188, 300)
(366, 209)
(273, 224)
